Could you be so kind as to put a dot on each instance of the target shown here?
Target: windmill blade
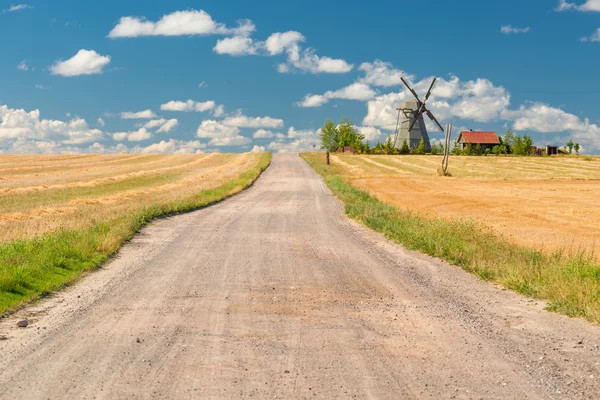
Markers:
(417, 115)
(430, 90)
(410, 88)
(431, 117)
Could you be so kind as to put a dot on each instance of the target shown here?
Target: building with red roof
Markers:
(486, 140)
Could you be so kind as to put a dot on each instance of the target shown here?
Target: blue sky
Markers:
(232, 76)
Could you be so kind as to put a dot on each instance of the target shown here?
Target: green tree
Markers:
(570, 146)
(577, 147)
(456, 149)
(329, 138)
(434, 149)
(388, 146)
(348, 135)
(405, 149)
(421, 148)
(509, 139)
(478, 150)
(527, 145)
(468, 151)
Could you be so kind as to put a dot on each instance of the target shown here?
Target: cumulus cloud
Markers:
(294, 146)
(188, 106)
(20, 125)
(380, 73)
(258, 149)
(355, 91)
(146, 114)
(589, 5)
(283, 42)
(479, 100)
(22, 66)
(236, 46)
(178, 23)
(172, 146)
(134, 136)
(230, 141)
(242, 121)
(85, 62)
(163, 125)
(100, 122)
(509, 29)
(262, 134)
(214, 129)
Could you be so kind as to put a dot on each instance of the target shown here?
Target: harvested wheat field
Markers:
(543, 203)
(61, 215)
(41, 194)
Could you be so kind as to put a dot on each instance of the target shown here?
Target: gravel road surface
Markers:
(274, 293)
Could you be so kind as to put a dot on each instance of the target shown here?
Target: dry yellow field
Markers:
(544, 203)
(41, 194)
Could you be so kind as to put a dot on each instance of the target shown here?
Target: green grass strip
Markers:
(30, 269)
(569, 282)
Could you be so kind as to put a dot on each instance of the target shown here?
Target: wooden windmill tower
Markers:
(410, 125)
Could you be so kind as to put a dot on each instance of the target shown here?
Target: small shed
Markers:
(486, 140)
(551, 150)
(346, 149)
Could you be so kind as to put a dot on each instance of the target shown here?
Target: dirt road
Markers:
(275, 294)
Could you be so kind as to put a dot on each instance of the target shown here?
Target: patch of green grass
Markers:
(35, 267)
(569, 282)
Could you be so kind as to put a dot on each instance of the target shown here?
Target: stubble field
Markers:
(543, 203)
(61, 215)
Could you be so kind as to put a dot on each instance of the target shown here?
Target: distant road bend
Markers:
(274, 293)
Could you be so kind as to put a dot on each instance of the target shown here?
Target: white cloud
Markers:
(213, 129)
(135, 136)
(313, 100)
(163, 125)
(85, 62)
(509, 29)
(355, 91)
(262, 134)
(380, 73)
(202, 84)
(18, 7)
(242, 121)
(258, 149)
(236, 46)
(172, 146)
(278, 43)
(477, 100)
(294, 146)
(18, 124)
(41, 87)
(22, 66)
(370, 133)
(306, 135)
(146, 114)
(188, 106)
(230, 141)
(168, 126)
(178, 23)
(589, 5)
(101, 122)
(219, 111)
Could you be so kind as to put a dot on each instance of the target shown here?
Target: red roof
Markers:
(479, 137)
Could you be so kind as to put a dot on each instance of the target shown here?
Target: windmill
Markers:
(410, 125)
